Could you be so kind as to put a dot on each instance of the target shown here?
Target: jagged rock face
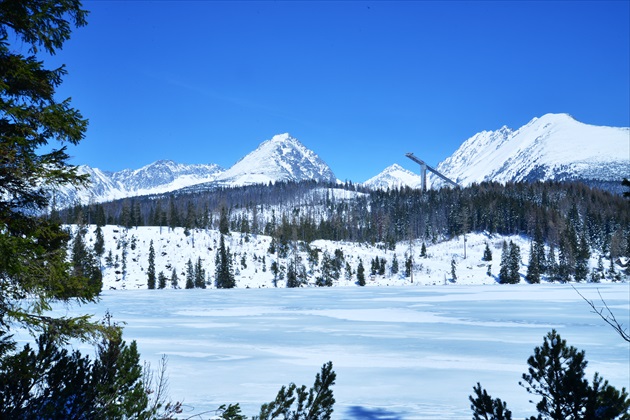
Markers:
(552, 147)
(283, 158)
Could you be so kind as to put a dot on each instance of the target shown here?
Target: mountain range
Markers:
(552, 147)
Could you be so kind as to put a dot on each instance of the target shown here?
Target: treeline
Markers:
(552, 212)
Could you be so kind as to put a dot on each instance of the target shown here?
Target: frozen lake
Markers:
(399, 352)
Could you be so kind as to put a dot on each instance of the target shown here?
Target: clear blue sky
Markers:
(360, 83)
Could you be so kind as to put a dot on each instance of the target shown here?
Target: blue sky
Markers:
(360, 83)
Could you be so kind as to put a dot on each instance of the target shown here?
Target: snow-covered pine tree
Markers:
(504, 266)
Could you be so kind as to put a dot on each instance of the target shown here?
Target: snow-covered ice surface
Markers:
(411, 352)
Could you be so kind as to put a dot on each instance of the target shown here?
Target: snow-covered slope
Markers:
(158, 177)
(252, 259)
(282, 158)
(394, 176)
(552, 147)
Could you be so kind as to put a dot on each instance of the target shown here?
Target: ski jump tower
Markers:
(423, 172)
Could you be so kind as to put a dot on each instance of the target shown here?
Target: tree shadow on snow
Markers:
(363, 413)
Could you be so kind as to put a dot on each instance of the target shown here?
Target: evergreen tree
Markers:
(552, 265)
(395, 267)
(329, 272)
(348, 270)
(99, 242)
(161, 280)
(174, 279)
(224, 223)
(484, 407)
(533, 268)
(190, 275)
(582, 256)
(408, 266)
(151, 268)
(295, 403)
(374, 266)
(423, 251)
(224, 277)
(453, 269)
(292, 280)
(275, 270)
(556, 373)
(504, 267)
(381, 267)
(360, 273)
(514, 263)
(487, 253)
(199, 275)
(84, 262)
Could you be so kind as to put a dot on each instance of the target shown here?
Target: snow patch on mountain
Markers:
(552, 147)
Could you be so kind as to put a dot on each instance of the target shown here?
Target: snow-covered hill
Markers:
(394, 176)
(552, 147)
(252, 259)
(282, 158)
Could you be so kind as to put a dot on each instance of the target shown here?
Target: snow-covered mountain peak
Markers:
(554, 146)
(281, 158)
(394, 176)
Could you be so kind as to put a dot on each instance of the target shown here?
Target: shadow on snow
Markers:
(363, 413)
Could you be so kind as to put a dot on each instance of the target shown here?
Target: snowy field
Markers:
(411, 352)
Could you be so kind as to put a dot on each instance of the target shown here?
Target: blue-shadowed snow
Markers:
(399, 352)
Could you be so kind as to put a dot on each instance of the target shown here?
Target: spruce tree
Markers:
(395, 267)
(151, 268)
(360, 273)
(487, 253)
(582, 256)
(423, 251)
(292, 280)
(199, 275)
(190, 275)
(408, 266)
(514, 263)
(174, 279)
(504, 267)
(224, 277)
(99, 242)
(533, 268)
(453, 269)
(381, 267)
(161, 280)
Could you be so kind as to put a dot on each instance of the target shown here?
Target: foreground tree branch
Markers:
(606, 314)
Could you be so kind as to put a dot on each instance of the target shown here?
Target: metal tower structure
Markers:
(423, 172)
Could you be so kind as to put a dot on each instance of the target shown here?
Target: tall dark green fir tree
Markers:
(223, 275)
(151, 267)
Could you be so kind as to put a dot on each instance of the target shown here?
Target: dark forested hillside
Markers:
(560, 214)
